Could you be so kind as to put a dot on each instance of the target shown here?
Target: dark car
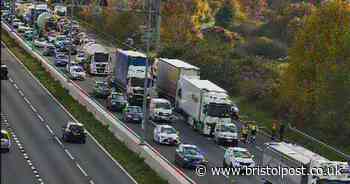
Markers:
(74, 132)
(189, 156)
(49, 50)
(116, 101)
(133, 114)
(61, 60)
(4, 72)
(101, 89)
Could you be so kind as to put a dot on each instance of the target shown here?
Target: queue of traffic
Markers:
(174, 87)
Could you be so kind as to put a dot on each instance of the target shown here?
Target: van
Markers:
(160, 110)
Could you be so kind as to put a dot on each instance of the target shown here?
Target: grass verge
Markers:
(134, 164)
(264, 118)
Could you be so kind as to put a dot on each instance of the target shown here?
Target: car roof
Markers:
(238, 149)
(160, 100)
(74, 123)
(165, 126)
(133, 106)
(189, 146)
(117, 93)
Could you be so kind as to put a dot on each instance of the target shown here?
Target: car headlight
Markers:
(186, 159)
(129, 116)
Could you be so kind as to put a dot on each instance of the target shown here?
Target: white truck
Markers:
(98, 59)
(204, 103)
(318, 170)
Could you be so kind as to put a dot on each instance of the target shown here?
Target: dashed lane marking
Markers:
(50, 130)
(69, 154)
(81, 169)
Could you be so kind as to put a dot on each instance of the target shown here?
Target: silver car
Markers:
(5, 141)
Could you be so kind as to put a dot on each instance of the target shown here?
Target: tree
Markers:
(316, 84)
(224, 17)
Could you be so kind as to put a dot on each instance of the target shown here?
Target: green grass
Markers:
(264, 118)
(134, 164)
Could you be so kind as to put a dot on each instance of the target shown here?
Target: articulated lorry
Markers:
(129, 74)
(287, 155)
(204, 103)
(98, 58)
(206, 106)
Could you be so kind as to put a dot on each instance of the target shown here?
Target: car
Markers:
(101, 89)
(80, 57)
(70, 47)
(76, 72)
(59, 40)
(74, 132)
(49, 50)
(238, 157)
(132, 114)
(40, 42)
(23, 29)
(51, 36)
(60, 50)
(166, 134)
(116, 101)
(28, 35)
(61, 60)
(15, 23)
(4, 72)
(18, 25)
(189, 156)
(5, 141)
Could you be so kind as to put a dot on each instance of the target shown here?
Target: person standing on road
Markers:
(273, 130)
(281, 131)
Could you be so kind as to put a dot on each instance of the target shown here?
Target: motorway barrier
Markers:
(151, 156)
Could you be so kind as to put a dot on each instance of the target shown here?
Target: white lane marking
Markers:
(69, 154)
(91, 182)
(11, 80)
(15, 85)
(50, 130)
(41, 118)
(25, 99)
(33, 108)
(58, 140)
(21, 93)
(81, 169)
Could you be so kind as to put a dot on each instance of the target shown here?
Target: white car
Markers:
(76, 72)
(41, 42)
(166, 134)
(22, 29)
(15, 22)
(238, 157)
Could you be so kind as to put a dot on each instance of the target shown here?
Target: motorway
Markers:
(37, 120)
(213, 152)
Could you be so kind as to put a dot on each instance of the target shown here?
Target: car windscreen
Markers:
(242, 154)
(118, 97)
(101, 57)
(163, 105)
(168, 130)
(77, 129)
(134, 109)
(228, 128)
(191, 151)
(61, 57)
(78, 70)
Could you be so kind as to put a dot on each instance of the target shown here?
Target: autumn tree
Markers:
(316, 84)
(224, 17)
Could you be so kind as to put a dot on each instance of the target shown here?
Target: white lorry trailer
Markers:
(318, 170)
(204, 103)
(168, 73)
(98, 59)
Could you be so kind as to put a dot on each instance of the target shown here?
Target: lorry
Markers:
(98, 59)
(129, 74)
(168, 73)
(288, 155)
(204, 104)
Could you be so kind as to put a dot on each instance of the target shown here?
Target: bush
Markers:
(265, 47)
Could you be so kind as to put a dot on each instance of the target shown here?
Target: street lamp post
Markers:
(70, 37)
(145, 95)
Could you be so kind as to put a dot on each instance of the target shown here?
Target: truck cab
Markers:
(226, 133)
(160, 110)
